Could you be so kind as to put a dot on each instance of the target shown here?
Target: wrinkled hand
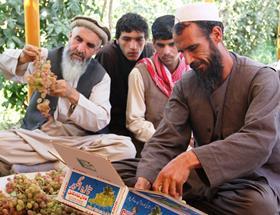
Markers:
(62, 89)
(143, 184)
(29, 54)
(172, 177)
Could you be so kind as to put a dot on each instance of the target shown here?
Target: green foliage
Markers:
(56, 16)
(12, 32)
(148, 9)
(12, 92)
(8, 116)
(251, 27)
(11, 25)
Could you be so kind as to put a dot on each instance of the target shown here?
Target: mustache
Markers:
(80, 54)
(196, 64)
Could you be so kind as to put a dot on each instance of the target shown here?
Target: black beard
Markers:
(211, 77)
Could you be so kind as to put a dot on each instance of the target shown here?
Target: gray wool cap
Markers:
(94, 25)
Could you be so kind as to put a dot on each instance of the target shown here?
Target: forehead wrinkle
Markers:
(86, 34)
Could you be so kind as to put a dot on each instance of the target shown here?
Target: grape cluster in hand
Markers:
(42, 80)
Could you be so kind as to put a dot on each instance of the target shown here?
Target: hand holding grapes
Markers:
(62, 89)
(29, 54)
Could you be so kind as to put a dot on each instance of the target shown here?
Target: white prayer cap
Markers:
(199, 11)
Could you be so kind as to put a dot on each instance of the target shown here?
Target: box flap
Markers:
(89, 163)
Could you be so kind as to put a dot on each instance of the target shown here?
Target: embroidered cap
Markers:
(200, 11)
(92, 24)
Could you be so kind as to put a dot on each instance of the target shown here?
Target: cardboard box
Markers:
(92, 185)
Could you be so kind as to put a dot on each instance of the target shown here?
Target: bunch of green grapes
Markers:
(42, 80)
(27, 196)
(7, 204)
(50, 182)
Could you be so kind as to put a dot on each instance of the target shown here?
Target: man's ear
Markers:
(97, 50)
(217, 34)
(99, 47)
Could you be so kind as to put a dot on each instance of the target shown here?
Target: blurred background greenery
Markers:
(250, 29)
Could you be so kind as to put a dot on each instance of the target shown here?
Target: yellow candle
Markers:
(32, 22)
(32, 26)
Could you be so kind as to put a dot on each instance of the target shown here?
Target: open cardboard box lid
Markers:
(89, 163)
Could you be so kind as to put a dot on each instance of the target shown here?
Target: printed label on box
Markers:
(136, 204)
(90, 193)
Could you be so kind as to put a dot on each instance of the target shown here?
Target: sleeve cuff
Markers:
(212, 175)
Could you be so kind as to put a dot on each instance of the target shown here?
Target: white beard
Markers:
(72, 69)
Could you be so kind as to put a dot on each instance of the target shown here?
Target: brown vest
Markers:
(155, 99)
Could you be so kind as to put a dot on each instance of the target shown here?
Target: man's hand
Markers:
(172, 177)
(143, 184)
(29, 54)
(62, 89)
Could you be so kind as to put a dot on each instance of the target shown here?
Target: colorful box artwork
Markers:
(92, 185)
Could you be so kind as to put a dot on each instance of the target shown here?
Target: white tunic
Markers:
(91, 114)
(21, 146)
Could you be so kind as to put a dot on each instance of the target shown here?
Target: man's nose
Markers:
(166, 49)
(82, 47)
(188, 58)
(133, 44)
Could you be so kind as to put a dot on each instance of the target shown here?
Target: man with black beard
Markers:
(211, 78)
(79, 103)
(231, 104)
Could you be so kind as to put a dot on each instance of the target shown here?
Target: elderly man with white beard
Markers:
(79, 103)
